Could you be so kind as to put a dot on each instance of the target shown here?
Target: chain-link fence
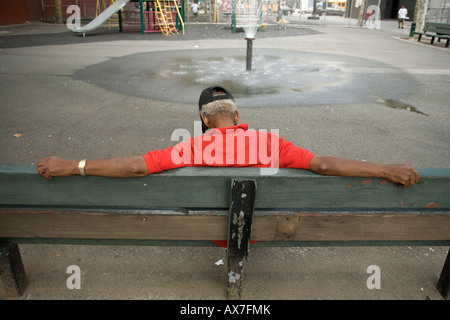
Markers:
(438, 11)
(88, 8)
(327, 12)
(347, 13)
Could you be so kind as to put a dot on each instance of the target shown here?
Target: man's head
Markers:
(217, 106)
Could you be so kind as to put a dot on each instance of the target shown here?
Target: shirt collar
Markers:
(242, 126)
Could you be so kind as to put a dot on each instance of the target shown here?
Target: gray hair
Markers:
(219, 106)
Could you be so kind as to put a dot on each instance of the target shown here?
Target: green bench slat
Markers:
(210, 188)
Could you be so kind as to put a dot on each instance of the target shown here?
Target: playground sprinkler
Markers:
(249, 16)
(249, 52)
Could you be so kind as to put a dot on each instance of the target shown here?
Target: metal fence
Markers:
(88, 9)
(438, 11)
(214, 11)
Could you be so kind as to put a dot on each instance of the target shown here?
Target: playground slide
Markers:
(102, 17)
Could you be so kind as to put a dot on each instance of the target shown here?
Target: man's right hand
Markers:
(119, 167)
(57, 167)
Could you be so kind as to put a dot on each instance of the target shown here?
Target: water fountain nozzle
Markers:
(249, 52)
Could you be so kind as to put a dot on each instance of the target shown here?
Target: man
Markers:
(225, 143)
(402, 15)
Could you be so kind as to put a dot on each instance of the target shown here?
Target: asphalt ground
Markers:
(47, 108)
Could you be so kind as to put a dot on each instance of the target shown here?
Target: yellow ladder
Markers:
(114, 20)
(99, 10)
(165, 19)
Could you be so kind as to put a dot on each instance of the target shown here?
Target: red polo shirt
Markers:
(230, 147)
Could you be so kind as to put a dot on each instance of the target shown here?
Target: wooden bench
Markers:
(192, 206)
(435, 30)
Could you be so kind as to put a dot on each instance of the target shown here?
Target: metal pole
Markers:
(12, 271)
(243, 196)
(350, 3)
(443, 285)
(249, 53)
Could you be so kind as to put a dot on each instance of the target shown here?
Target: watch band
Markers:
(81, 166)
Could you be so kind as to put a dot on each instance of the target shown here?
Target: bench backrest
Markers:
(439, 28)
(192, 204)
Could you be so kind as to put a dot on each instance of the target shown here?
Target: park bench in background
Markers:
(192, 206)
(435, 30)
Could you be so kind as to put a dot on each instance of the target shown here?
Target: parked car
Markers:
(309, 10)
(333, 10)
(286, 10)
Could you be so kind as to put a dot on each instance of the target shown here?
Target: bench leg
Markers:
(243, 194)
(12, 272)
(443, 285)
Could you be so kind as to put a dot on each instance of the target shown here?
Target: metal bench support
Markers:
(243, 194)
(12, 272)
(443, 285)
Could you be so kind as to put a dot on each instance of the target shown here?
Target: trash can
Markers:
(413, 28)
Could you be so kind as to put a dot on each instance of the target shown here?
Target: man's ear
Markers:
(236, 117)
(205, 119)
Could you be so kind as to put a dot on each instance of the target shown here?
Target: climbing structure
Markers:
(113, 21)
(166, 17)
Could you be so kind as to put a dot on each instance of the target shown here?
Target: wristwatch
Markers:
(81, 166)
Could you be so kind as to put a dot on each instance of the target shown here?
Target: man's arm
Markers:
(402, 174)
(121, 167)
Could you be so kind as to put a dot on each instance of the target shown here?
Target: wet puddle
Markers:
(395, 104)
(278, 77)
